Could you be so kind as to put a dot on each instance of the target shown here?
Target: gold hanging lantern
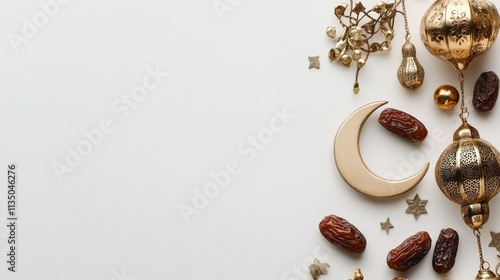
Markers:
(468, 173)
(459, 31)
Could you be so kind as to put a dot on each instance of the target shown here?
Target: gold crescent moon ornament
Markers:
(353, 169)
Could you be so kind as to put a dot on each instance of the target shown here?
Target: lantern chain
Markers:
(464, 114)
(482, 263)
(407, 28)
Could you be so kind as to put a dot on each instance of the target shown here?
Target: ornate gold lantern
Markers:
(459, 31)
(468, 171)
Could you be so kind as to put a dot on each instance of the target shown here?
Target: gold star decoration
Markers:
(313, 62)
(495, 240)
(318, 268)
(386, 225)
(416, 206)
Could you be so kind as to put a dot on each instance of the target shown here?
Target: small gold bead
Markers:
(385, 47)
(375, 47)
(331, 32)
(389, 35)
(346, 60)
(355, 88)
(380, 7)
(356, 54)
(360, 63)
(446, 97)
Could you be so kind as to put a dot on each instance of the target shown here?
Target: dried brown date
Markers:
(485, 91)
(445, 251)
(403, 124)
(410, 252)
(341, 233)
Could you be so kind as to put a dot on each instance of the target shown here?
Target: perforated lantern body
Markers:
(458, 31)
(468, 173)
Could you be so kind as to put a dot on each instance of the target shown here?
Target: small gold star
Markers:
(318, 268)
(495, 240)
(386, 225)
(416, 206)
(313, 62)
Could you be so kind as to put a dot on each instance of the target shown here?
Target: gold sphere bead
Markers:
(356, 40)
(380, 7)
(331, 32)
(356, 54)
(355, 88)
(389, 35)
(346, 60)
(375, 47)
(360, 63)
(446, 97)
(385, 47)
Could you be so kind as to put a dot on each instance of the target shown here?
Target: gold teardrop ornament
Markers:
(410, 72)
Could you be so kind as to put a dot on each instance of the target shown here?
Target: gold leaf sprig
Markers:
(359, 26)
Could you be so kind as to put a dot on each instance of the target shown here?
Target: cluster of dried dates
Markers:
(340, 232)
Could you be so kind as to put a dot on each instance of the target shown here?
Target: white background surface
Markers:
(116, 215)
